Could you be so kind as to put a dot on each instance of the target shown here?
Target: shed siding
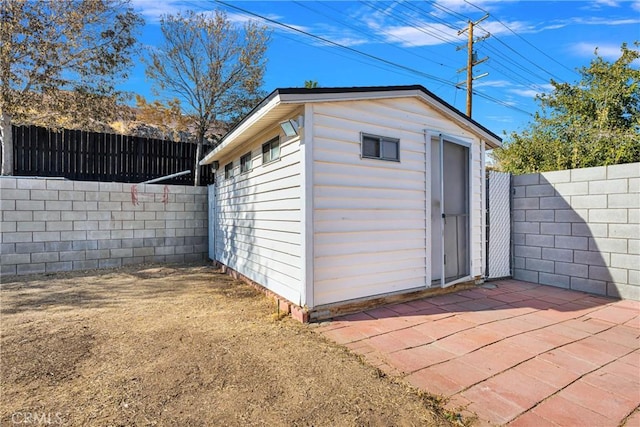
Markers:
(258, 218)
(370, 216)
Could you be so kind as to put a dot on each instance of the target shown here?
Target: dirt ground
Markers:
(158, 345)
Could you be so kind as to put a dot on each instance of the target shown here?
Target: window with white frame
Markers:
(228, 170)
(380, 147)
(271, 150)
(245, 163)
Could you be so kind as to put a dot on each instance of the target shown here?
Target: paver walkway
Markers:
(510, 352)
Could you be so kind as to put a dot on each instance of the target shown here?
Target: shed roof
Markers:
(282, 102)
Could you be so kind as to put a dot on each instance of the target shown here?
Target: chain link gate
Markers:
(498, 225)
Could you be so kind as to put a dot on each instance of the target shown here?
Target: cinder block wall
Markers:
(58, 225)
(579, 229)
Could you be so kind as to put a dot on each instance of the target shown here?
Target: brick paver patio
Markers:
(510, 352)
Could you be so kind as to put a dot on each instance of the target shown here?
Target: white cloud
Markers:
(421, 35)
(635, 5)
(493, 83)
(610, 3)
(608, 51)
(153, 9)
(531, 92)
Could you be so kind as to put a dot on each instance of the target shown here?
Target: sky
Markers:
(381, 43)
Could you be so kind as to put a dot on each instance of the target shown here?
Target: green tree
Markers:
(213, 67)
(594, 122)
(62, 58)
(311, 84)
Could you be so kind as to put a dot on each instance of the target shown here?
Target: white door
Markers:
(450, 219)
(212, 221)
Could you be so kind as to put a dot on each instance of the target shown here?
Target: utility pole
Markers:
(471, 60)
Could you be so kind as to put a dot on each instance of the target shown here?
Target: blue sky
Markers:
(530, 43)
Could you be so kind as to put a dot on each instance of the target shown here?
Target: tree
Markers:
(167, 118)
(594, 122)
(311, 84)
(62, 58)
(211, 65)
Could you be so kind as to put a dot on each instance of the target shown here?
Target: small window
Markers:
(228, 170)
(380, 147)
(245, 163)
(271, 150)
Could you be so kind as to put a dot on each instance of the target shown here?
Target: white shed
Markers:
(331, 196)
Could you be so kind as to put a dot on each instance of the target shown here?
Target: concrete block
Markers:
(110, 263)
(154, 224)
(185, 198)
(167, 232)
(608, 186)
(519, 251)
(629, 261)
(556, 280)
(608, 216)
(516, 216)
(539, 240)
(518, 262)
(589, 285)
(31, 184)
(633, 277)
(8, 248)
(74, 196)
(634, 185)
(571, 242)
(186, 232)
(589, 202)
(85, 225)
(96, 196)
(9, 227)
(555, 202)
(198, 256)
(97, 254)
(59, 226)
(45, 257)
(629, 170)
(120, 197)
(591, 258)
(85, 206)
(27, 248)
(540, 215)
(9, 194)
(174, 241)
(133, 243)
(85, 264)
(188, 249)
(178, 258)
(145, 216)
(624, 230)
(98, 215)
(516, 192)
(201, 214)
(123, 216)
(17, 216)
(29, 205)
(132, 260)
(570, 215)
(556, 177)
(6, 259)
(75, 235)
(58, 246)
(563, 255)
(175, 207)
(72, 255)
(195, 223)
(7, 182)
(143, 252)
(48, 216)
(165, 250)
(603, 244)
(608, 274)
(526, 227)
(153, 242)
(542, 190)
(572, 269)
(204, 248)
(589, 174)
(633, 247)
(7, 205)
(526, 275)
(589, 230)
(142, 234)
(109, 206)
(174, 224)
(59, 184)
(52, 205)
(539, 265)
(86, 186)
(110, 244)
(112, 186)
(30, 268)
(110, 225)
(155, 259)
(132, 225)
(74, 216)
(85, 244)
(153, 207)
(195, 207)
(30, 226)
(121, 253)
(187, 215)
(7, 270)
(167, 215)
(122, 234)
(628, 200)
(22, 237)
(572, 189)
(623, 291)
(98, 234)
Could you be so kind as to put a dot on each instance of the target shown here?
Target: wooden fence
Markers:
(90, 156)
